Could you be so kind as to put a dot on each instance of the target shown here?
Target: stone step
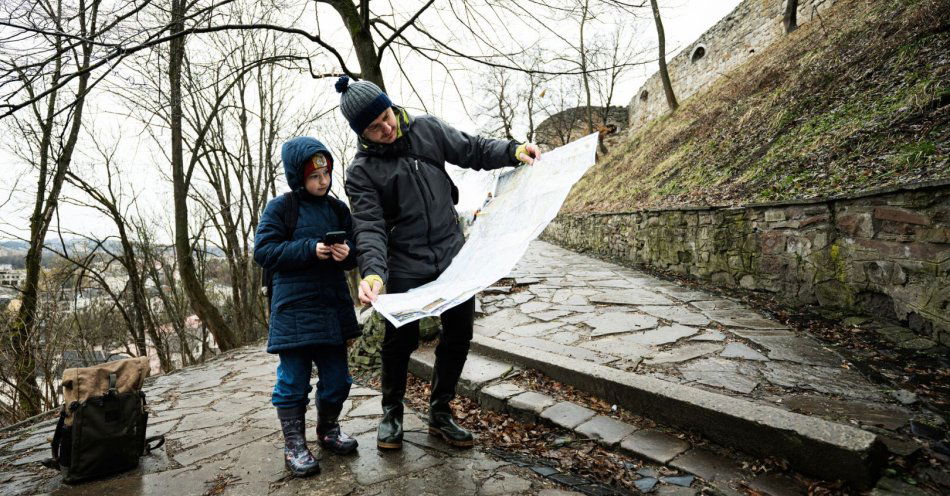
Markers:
(530, 406)
(812, 445)
(479, 370)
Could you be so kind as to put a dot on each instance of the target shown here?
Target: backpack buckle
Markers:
(112, 381)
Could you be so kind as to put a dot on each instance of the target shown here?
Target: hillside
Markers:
(855, 101)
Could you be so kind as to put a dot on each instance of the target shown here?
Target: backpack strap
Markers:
(57, 441)
(291, 212)
(289, 216)
(339, 208)
(158, 440)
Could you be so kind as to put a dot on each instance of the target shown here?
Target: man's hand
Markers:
(339, 251)
(323, 251)
(528, 153)
(370, 287)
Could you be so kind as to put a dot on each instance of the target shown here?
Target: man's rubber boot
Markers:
(329, 434)
(393, 378)
(297, 457)
(445, 376)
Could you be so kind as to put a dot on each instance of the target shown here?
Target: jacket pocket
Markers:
(397, 236)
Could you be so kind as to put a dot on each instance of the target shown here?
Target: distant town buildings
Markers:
(10, 277)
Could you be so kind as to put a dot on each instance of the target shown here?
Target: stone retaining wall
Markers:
(884, 253)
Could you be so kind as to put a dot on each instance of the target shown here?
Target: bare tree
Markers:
(664, 72)
(563, 119)
(49, 131)
(171, 313)
(237, 160)
(48, 339)
(110, 200)
(501, 104)
(790, 19)
(512, 99)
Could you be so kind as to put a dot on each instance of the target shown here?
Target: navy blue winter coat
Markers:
(311, 304)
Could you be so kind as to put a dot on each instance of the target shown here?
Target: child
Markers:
(312, 315)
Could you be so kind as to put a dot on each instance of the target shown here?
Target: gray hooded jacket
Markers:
(404, 218)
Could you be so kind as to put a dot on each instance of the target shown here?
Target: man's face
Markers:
(318, 181)
(382, 129)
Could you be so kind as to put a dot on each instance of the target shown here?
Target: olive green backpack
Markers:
(101, 428)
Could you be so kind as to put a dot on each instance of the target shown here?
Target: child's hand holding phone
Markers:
(336, 241)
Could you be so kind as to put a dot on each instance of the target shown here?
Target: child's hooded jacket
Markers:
(311, 303)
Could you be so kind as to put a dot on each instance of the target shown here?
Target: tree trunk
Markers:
(664, 73)
(20, 340)
(20, 332)
(790, 20)
(142, 313)
(203, 307)
(586, 77)
(357, 23)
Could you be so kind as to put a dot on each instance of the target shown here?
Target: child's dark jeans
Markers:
(293, 376)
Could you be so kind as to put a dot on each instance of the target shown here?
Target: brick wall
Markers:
(885, 253)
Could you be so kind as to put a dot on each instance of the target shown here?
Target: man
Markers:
(407, 232)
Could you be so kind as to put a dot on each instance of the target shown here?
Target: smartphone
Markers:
(334, 238)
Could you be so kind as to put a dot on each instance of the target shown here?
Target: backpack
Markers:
(289, 218)
(101, 427)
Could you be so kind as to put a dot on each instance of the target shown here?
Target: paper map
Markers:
(526, 200)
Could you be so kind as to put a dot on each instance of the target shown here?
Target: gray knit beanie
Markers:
(361, 102)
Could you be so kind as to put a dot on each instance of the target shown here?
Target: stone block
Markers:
(717, 372)
(528, 406)
(654, 445)
(815, 219)
(900, 215)
(683, 353)
(724, 279)
(679, 315)
(934, 235)
(857, 224)
(566, 414)
(739, 350)
(478, 370)
(619, 322)
(774, 215)
(503, 483)
(570, 351)
(885, 273)
(605, 430)
(778, 485)
(707, 465)
(496, 396)
(887, 249)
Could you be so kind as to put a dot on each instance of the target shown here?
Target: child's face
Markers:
(318, 181)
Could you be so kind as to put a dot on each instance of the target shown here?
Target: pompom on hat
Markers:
(361, 102)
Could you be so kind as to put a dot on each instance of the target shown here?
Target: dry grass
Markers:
(854, 102)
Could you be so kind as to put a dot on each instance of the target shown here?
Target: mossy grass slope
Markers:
(855, 100)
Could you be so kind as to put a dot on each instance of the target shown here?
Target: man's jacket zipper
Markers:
(419, 184)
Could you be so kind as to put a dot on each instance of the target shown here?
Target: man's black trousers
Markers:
(450, 354)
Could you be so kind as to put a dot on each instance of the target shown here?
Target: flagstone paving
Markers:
(589, 309)
(223, 438)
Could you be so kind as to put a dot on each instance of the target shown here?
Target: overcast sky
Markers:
(684, 21)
